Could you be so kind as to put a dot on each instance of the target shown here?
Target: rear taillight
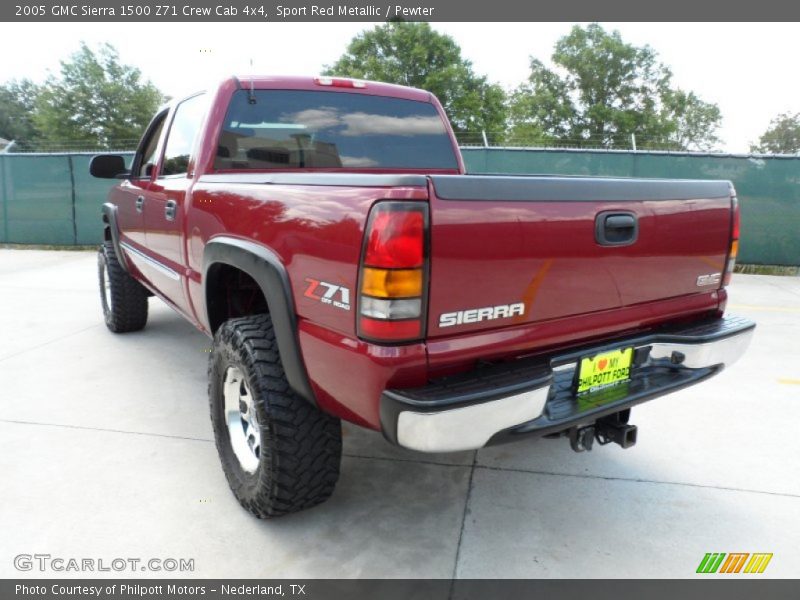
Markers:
(734, 248)
(394, 267)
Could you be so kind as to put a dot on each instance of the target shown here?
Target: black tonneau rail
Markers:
(518, 188)
(544, 188)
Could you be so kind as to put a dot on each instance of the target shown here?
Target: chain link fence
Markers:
(61, 146)
(466, 139)
(505, 139)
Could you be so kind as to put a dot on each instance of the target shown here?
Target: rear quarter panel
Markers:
(315, 230)
(317, 233)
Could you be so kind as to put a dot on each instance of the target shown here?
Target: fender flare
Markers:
(109, 213)
(267, 270)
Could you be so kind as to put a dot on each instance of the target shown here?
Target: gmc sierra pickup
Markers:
(323, 231)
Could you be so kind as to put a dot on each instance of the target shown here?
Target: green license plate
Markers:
(605, 369)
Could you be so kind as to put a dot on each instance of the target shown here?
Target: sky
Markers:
(745, 68)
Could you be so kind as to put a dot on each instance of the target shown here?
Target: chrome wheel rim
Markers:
(106, 286)
(241, 419)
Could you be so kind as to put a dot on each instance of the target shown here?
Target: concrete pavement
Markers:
(106, 451)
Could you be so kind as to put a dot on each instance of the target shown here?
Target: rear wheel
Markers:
(124, 299)
(280, 454)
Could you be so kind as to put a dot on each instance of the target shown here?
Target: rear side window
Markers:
(182, 133)
(294, 129)
(147, 153)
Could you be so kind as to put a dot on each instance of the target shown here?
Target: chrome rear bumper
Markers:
(536, 396)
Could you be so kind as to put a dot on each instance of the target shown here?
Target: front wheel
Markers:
(279, 453)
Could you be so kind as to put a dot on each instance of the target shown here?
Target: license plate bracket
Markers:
(603, 370)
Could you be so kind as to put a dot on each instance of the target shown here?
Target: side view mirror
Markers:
(108, 166)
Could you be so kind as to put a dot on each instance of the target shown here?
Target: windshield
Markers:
(295, 129)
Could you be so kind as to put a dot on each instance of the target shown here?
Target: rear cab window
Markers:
(299, 129)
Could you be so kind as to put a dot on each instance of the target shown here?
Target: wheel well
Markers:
(231, 293)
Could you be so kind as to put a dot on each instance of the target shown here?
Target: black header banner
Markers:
(384, 10)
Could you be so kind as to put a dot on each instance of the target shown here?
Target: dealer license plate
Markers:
(604, 370)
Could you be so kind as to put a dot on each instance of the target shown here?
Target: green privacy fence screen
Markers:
(52, 199)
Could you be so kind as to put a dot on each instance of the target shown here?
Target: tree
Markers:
(414, 54)
(96, 101)
(694, 123)
(542, 110)
(601, 90)
(781, 137)
(17, 101)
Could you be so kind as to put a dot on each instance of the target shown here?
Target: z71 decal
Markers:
(328, 293)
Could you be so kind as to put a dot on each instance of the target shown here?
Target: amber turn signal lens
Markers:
(391, 283)
(734, 248)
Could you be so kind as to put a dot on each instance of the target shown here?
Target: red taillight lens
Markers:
(734, 248)
(378, 329)
(392, 279)
(396, 239)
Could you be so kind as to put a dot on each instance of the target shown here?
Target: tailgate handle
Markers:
(615, 228)
(620, 222)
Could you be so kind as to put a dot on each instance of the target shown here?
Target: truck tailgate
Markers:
(518, 250)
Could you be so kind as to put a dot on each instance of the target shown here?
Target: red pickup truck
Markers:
(323, 231)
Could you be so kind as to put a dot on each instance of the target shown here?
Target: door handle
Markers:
(169, 210)
(614, 228)
(140, 204)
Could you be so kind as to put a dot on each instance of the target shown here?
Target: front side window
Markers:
(297, 129)
(180, 142)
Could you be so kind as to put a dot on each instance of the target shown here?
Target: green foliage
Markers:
(601, 91)
(693, 122)
(414, 54)
(542, 110)
(781, 137)
(96, 100)
(17, 100)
